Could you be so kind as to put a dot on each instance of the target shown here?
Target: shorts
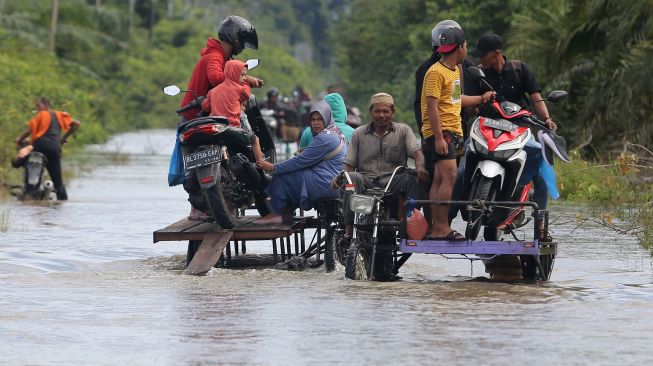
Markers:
(455, 148)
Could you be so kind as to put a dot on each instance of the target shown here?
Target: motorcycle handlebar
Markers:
(197, 102)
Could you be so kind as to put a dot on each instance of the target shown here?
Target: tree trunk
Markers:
(170, 9)
(151, 26)
(98, 3)
(130, 20)
(2, 6)
(53, 24)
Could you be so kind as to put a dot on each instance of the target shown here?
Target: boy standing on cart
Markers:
(442, 100)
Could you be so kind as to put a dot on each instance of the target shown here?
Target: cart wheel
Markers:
(331, 250)
(358, 261)
(532, 271)
(546, 262)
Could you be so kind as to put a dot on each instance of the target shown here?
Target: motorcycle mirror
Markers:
(557, 96)
(252, 63)
(171, 90)
(476, 72)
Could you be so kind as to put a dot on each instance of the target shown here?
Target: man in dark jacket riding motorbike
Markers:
(513, 81)
(235, 34)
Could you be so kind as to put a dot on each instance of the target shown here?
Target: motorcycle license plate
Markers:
(201, 158)
(502, 125)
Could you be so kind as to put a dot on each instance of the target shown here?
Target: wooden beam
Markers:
(208, 252)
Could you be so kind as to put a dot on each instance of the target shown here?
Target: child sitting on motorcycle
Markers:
(229, 100)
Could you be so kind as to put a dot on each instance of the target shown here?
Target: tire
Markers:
(261, 202)
(331, 250)
(215, 201)
(531, 271)
(357, 265)
(483, 189)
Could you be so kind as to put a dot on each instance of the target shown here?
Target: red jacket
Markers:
(224, 100)
(208, 73)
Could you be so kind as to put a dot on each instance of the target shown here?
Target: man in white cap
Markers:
(377, 148)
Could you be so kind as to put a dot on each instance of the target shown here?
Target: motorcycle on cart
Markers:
(220, 162)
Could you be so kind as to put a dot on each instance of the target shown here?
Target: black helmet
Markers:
(272, 92)
(239, 33)
(438, 29)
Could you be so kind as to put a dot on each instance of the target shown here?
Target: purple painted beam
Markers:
(477, 247)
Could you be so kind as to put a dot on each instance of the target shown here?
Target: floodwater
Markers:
(82, 283)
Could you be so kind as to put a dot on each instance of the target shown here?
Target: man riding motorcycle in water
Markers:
(235, 34)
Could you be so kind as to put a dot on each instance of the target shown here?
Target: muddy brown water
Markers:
(82, 283)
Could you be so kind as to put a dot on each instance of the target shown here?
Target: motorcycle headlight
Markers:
(361, 204)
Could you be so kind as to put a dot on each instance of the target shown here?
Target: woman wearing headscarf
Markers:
(305, 178)
(339, 114)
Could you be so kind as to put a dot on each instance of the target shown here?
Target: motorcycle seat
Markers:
(201, 121)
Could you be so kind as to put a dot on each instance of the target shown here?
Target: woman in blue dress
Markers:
(303, 179)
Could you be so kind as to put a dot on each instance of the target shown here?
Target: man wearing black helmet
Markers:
(235, 34)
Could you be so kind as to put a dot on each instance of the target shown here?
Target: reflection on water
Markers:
(82, 283)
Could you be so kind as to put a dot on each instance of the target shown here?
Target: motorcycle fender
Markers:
(203, 174)
(490, 169)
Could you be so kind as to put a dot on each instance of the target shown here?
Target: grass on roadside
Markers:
(620, 189)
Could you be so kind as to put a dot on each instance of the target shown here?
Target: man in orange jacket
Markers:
(45, 129)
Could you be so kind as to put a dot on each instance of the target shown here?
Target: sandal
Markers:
(452, 236)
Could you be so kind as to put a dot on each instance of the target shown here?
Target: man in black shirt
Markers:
(513, 81)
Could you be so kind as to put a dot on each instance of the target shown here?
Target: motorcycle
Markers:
(372, 252)
(220, 162)
(501, 161)
(35, 187)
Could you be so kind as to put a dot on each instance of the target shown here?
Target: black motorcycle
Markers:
(220, 163)
(35, 187)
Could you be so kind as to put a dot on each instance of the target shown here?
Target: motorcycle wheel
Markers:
(261, 202)
(483, 189)
(491, 233)
(333, 253)
(215, 200)
(357, 265)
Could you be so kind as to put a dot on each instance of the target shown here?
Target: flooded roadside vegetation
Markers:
(84, 282)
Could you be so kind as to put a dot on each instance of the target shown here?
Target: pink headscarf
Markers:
(224, 99)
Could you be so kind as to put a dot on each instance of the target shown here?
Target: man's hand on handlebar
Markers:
(254, 82)
(488, 96)
(550, 124)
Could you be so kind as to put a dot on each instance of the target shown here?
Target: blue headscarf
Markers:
(323, 108)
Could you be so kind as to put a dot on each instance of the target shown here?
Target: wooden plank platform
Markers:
(185, 229)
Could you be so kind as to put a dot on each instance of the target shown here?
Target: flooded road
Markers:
(82, 283)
